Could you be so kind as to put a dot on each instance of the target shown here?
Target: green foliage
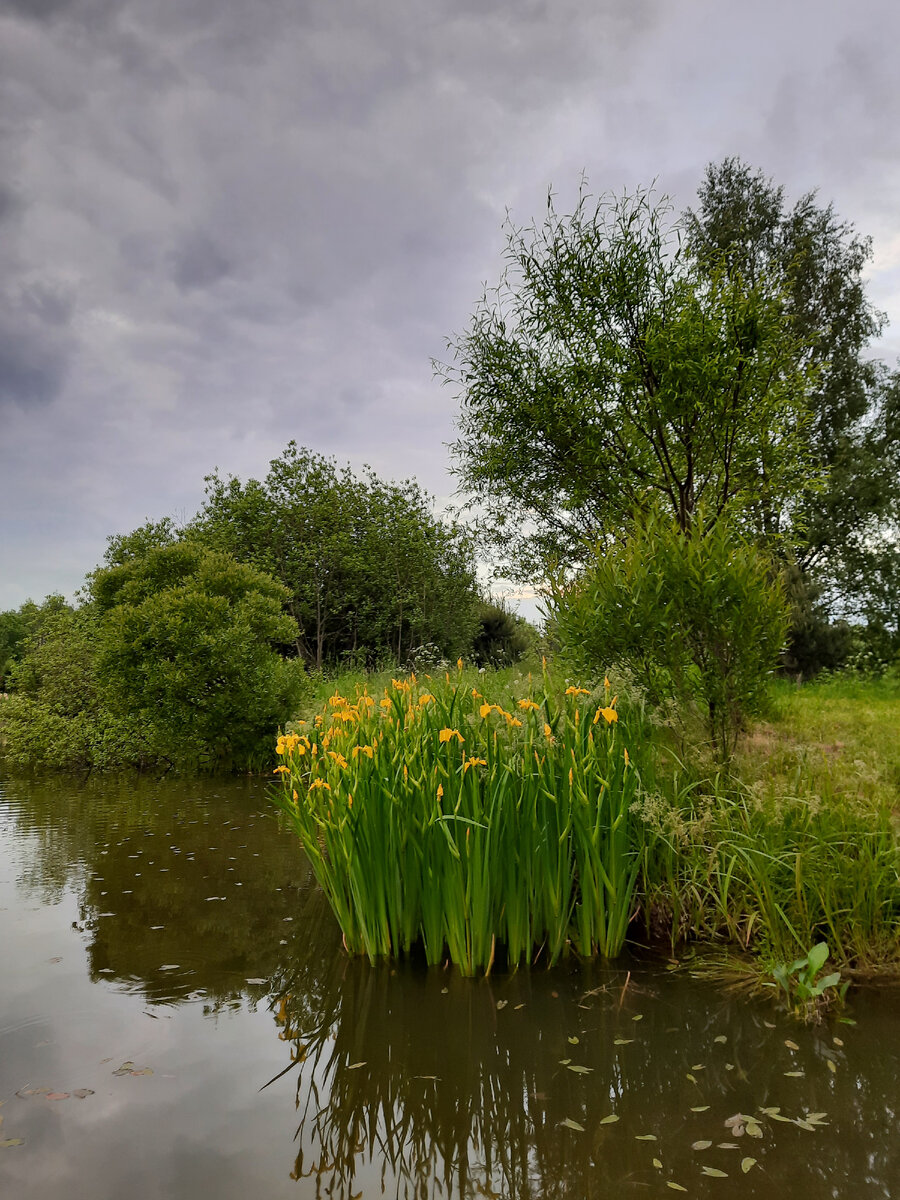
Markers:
(187, 645)
(815, 643)
(502, 636)
(469, 826)
(802, 981)
(811, 263)
(608, 372)
(370, 571)
(696, 618)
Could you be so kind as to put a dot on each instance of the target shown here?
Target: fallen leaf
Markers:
(502, 1004)
(747, 1163)
(692, 1078)
(57, 1095)
(832, 1065)
(676, 1187)
(816, 1118)
(580, 1070)
(700, 1108)
(573, 1041)
(769, 1024)
(257, 981)
(721, 1039)
(83, 1093)
(610, 1120)
(714, 1172)
(142, 1071)
(518, 1006)
(7, 1142)
(698, 1067)
(564, 1062)
(837, 1041)
(808, 1125)
(791, 1045)
(645, 1137)
(125, 1069)
(638, 1017)
(570, 1124)
(623, 1041)
(657, 1164)
(703, 1144)
(355, 1066)
(754, 1130)
(794, 1074)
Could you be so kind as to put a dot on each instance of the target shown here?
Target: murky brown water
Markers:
(174, 927)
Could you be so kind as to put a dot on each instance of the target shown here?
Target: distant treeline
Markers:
(189, 647)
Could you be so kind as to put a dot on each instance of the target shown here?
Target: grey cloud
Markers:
(198, 262)
(31, 371)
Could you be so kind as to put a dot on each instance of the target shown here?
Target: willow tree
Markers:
(608, 372)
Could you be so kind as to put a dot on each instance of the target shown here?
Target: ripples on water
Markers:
(174, 927)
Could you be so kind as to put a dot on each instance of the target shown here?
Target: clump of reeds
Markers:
(435, 816)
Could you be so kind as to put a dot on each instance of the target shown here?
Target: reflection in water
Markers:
(417, 1082)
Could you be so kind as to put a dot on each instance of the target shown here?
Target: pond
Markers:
(178, 1017)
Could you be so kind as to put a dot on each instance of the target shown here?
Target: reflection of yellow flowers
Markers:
(446, 734)
(528, 705)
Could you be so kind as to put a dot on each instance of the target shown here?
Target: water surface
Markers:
(164, 949)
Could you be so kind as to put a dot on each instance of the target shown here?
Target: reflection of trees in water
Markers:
(146, 856)
(443, 1093)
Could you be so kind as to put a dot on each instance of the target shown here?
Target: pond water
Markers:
(178, 1017)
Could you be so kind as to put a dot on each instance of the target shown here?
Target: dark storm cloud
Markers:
(229, 224)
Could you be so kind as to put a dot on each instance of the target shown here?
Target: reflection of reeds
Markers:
(433, 816)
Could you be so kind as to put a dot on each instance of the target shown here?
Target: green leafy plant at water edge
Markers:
(434, 816)
(802, 980)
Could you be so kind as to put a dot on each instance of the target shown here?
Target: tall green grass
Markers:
(470, 825)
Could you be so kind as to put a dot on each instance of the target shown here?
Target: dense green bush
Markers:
(696, 617)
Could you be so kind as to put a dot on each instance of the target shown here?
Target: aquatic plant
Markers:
(436, 816)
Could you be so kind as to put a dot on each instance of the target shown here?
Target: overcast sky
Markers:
(228, 223)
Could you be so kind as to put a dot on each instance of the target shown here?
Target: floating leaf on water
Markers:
(83, 1093)
(703, 1144)
(570, 1124)
(7, 1142)
(125, 1069)
(638, 1017)
(57, 1095)
(714, 1171)
(805, 1125)
(794, 1074)
(609, 1120)
(747, 1163)
(721, 1039)
(516, 1009)
(837, 1041)
(573, 1041)
(170, 967)
(737, 1119)
(791, 1045)
(700, 1108)
(676, 1187)
(564, 1062)
(55, 960)
(729, 1066)
(832, 1065)
(444, 991)
(645, 1137)
(657, 1164)
(580, 1070)
(692, 1078)
(754, 1130)
(355, 1066)
(727, 1146)
(257, 981)
(623, 1041)
(698, 1067)
(769, 1024)
(816, 1118)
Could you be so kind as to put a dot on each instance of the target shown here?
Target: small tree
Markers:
(187, 642)
(699, 620)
